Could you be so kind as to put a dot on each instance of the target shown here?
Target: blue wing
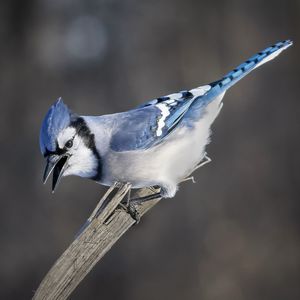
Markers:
(150, 123)
(153, 121)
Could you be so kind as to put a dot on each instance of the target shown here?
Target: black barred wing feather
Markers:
(151, 122)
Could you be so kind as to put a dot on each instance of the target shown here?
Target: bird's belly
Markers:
(170, 161)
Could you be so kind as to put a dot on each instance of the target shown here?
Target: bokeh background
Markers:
(234, 234)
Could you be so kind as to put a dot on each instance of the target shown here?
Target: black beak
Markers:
(57, 164)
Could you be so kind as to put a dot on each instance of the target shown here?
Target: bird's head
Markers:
(68, 145)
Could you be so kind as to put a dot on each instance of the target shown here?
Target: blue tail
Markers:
(242, 70)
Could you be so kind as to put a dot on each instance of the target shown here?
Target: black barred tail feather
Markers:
(252, 63)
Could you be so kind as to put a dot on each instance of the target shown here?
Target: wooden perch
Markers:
(108, 222)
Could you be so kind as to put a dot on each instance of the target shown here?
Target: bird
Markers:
(159, 143)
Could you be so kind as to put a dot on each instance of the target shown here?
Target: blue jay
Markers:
(159, 143)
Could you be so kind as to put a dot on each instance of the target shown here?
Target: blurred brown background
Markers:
(234, 234)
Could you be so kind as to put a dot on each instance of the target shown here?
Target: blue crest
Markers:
(57, 118)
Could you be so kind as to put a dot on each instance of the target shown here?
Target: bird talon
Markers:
(132, 211)
(192, 178)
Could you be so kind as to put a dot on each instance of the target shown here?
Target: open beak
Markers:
(57, 164)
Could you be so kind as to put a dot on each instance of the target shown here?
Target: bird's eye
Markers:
(69, 144)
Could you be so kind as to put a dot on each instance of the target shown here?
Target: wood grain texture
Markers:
(105, 228)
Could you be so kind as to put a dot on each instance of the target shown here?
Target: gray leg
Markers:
(189, 178)
(129, 207)
(132, 211)
(203, 162)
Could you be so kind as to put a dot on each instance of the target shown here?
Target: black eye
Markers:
(69, 144)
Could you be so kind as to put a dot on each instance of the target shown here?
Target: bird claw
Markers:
(132, 211)
(192, 178)
(205, 161)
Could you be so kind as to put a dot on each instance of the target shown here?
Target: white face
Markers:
(82, 161)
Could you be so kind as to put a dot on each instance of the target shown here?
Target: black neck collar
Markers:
(89, 140)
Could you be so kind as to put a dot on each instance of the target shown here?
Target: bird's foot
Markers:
(132, 211)
(129, 204)
(189, 178)
(203, 162)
